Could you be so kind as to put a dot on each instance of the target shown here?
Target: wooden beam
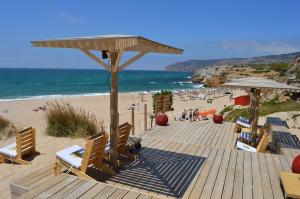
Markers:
(255, 112)
(114, 115)
(133, 59)
(145, 117)
(132, 120)
(96, 59)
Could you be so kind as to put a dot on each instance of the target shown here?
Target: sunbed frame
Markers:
(25, 144)
(93, 155)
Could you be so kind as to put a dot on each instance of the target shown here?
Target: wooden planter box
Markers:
(162, 103)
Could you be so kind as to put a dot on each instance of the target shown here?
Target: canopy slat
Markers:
(111, 43)
(261, 83)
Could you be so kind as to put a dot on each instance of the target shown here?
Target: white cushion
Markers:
(244, 147)
(9, 150)
(71, 155)
(244, 124)
(107, 148)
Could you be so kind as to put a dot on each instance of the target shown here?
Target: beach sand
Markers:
(22, 114)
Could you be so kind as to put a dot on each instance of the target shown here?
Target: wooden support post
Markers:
(145, 117)
(132, 120)
(255, 112)
(114, 116)
(252, 103)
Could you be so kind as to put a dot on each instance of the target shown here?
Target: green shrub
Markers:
(267, 108)
(279, 67)
(226, 109)
(298, 74)
(233, 115)
(64, 120)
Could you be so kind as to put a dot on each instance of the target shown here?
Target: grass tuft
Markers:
(64, 120)
(3, 123)
(7, 128)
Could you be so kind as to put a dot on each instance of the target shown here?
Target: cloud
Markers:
(273, 47)
(71, 18)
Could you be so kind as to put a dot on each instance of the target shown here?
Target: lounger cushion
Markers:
(9, 150)
(246, 136)
(244, 147)
(71, 155)
(243, 119)
(107, 148)
(243, 122)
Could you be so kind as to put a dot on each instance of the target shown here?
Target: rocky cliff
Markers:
(293, 72)
(195, 65)
(215, 75)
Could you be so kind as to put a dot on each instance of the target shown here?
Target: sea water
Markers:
(19, 84)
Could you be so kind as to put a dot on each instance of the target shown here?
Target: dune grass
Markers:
(266, 108)
(3, 123)
(64, 120)
(7, 128)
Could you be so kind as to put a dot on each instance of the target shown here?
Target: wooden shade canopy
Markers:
(114, 46)
(257, 88)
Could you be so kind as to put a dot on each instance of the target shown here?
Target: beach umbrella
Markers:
(112, 47)
(257, 88)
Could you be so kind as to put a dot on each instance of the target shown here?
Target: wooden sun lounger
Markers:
(25, 144)
(291, 184)
(241, 122)
(123, 145)
(261, 147)
(77, 159)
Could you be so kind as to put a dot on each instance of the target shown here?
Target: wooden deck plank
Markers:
(120, 193)
(222, 141)
(220, 179)
(265, 179)
(256, 177)
(93, 191)
(238, 176)
(81, 190)
(200, 183)
(33, 174)
(247, 193)
(43, 187)
(105, 193)
(56, 188)
(131, 195)
(230, 176)
(215, 135)
(285, 163)
(210, 181)
(36, 178)
(68, 189)
(274, 178)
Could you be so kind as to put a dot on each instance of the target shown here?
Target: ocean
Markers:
(18, 84)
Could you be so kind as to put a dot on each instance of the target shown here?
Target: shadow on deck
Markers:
(159, 171)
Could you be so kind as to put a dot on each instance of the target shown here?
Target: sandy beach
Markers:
(22, 114)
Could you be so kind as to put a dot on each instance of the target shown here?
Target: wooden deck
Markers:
(201, 133)
(43, 184)
(187, 160)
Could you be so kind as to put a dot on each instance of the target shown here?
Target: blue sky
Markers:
(204, 29)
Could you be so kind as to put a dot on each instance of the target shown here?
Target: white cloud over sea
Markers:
(272, 47)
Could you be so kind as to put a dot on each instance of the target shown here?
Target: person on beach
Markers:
(191, 115)
(183, 115)
(195, 115)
